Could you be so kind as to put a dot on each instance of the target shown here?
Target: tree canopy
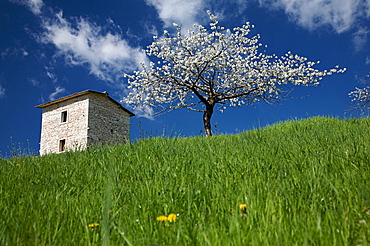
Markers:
(203, 68)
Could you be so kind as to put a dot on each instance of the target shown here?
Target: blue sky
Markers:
(50, 49)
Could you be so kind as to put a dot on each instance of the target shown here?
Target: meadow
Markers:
(304, 182)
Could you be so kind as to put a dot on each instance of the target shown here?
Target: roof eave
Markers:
(81, 94)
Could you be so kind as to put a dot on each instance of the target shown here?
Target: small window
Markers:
(62, 145)
(63, 117)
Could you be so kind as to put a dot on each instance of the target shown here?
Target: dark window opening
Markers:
(62, 145)
(64, 116)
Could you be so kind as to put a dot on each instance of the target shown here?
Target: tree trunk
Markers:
(207, 120)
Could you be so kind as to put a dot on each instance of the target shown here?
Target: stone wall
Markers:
(74, 130)
(108, 122)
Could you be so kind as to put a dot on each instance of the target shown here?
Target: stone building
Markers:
(83, 119)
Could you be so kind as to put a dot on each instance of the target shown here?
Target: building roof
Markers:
(105, 94)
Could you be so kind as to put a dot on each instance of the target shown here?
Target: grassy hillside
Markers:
(303, 182)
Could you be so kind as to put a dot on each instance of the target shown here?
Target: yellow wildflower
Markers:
(18, 165)
(172, 217)
(243, 207)
(93, 225)
(162, 218)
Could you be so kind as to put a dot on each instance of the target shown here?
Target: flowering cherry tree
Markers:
(361, 96)
(205, 68)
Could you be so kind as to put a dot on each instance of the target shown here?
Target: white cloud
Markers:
(360, 38)
(4, 53)
(188, 12)
(2, 91)
(51, 74)
(146, 112)
(367, 8)
(151, 29)
(13, 52)
(24, 53)
(33, 81)
(341, 15)
(182, 12)
(34, 5)
(106, 55)
(57, 91)
(224, 9)
(368, 60)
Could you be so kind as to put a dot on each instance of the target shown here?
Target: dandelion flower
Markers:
(162, 218)
(93, 225)
(172, 217)
(243, 207)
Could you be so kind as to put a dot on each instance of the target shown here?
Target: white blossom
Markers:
(361, 96)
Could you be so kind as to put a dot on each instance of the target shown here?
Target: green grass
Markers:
(304, 182)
